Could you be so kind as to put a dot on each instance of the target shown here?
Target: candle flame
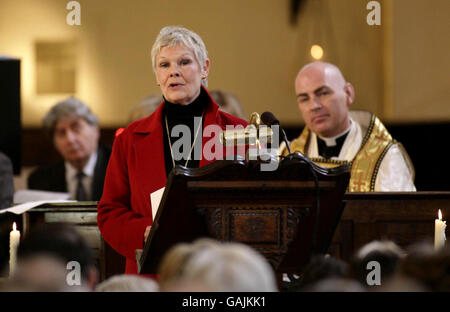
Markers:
(14, 226)
(440, 215)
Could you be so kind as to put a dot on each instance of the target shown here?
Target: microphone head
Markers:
(269, 119)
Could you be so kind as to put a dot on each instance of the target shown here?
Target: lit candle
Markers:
(439, 231)
(14, 239)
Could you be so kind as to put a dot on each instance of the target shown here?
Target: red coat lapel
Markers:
(149, 153)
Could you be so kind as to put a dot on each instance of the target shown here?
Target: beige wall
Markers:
(255, 53)
(421, 63)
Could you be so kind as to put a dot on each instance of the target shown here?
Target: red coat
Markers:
(135, 170)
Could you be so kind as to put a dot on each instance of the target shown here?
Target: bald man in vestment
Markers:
(334, 135)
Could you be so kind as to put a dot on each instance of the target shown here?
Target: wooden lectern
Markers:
(287, 214)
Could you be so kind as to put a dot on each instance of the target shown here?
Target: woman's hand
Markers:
(147, 231)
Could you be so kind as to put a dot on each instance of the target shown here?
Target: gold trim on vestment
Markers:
(365, 165)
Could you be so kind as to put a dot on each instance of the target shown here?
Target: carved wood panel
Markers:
(269, 229)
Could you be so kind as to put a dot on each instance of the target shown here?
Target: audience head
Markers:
(51, 255)
(324, 98)
(322, 267)
(225, 267)
(386, 253)
(228, 102)
(127, 283)
(401, 283)
(174, 261)
(74, 131)
(145, 108)
(427, 266)
(335, 285)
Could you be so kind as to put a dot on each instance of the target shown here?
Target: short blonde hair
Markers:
(127, 283)
(170, 36)
(172, 265)
(223, 267)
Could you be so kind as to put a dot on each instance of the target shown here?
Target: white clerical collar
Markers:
(332, 141)
(88, 170)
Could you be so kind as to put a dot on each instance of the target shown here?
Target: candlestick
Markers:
(439, 231)
(14, 239)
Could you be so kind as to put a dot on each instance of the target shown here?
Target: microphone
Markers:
(247, 136)
(269, 119)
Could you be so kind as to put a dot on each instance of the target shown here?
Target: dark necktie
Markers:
(331, 151)
(81, 193)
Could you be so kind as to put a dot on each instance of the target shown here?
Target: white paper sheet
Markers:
(19, 209)
(155, 199)
(25, 196)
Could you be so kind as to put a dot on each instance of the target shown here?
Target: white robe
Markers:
(394, 174)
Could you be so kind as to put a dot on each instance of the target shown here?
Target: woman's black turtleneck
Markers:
(178, 114)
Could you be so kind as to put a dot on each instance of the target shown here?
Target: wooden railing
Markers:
(405, 218)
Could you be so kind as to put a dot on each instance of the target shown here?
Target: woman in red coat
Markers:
(147, 150)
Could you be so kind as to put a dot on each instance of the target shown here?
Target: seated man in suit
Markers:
(334, 135)
(75, 134)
